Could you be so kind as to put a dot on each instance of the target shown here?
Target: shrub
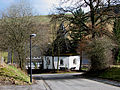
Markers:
(100, 52)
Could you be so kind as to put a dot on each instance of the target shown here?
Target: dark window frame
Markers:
(61, 62)
(74, 61)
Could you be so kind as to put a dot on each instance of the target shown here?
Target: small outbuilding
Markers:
(65, 62)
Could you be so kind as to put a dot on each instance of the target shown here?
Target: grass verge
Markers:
(112, 73)
(11, 75)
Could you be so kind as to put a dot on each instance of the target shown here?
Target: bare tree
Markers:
(17, 25)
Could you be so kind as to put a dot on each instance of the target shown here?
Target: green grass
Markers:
(13, 75)
(85, 69)
(118, 66)
(112, 73)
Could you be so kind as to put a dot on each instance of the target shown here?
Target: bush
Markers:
(118, 57)
(100, 53)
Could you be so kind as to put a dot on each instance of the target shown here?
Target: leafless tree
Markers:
(16, 26)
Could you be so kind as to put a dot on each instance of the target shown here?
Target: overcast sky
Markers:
(42, 7)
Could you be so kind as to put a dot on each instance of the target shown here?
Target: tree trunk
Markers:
(21, 61)
(58, 58)
(42, 67)
(20, 64)
(12, 57)
(80, 68)
(92, 16)
(53, 63)
(58, 63)
(53, 67)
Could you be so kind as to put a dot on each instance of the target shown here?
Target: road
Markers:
(70, 82)
(62, 82)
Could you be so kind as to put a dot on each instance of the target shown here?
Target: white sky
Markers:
(42, 7)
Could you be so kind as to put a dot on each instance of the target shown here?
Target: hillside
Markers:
(10, 75)
(43, 19)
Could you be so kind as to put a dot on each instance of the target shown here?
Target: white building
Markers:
(65, 62)
(68, 62)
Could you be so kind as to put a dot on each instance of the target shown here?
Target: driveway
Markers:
(62, 82)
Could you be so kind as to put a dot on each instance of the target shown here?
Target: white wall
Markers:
(64, 58)
(67, 62)
(71, 64)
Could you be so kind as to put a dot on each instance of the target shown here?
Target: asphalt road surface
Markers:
(62, 82)
(70, 82)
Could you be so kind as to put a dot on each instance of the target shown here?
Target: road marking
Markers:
(46, 84)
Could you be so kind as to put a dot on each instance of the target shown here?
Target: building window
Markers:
(61, 62)
(48, 61)
(74, 61)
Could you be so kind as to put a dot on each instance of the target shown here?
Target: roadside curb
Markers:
(105, 81)
(110, 82)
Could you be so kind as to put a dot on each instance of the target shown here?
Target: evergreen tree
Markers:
(78, 32)
(77, 29)
(61, 43)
